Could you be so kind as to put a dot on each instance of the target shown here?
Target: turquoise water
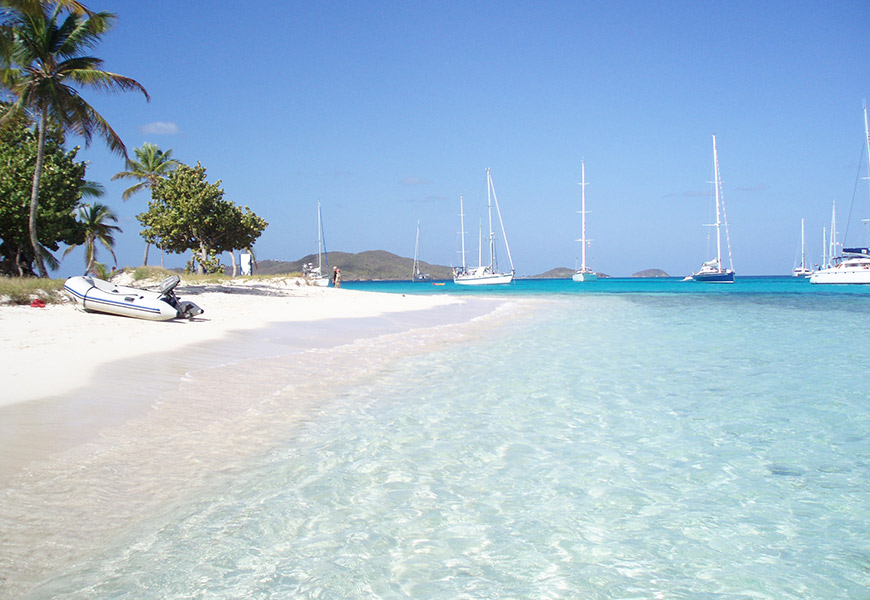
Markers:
(689, 442)
(616, 285)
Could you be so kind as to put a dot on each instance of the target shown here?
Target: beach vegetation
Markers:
(96, 219)
(187, 213)
(150, 166)
(101, 271)
(145, 273)
(43, 49)
(62, 186)
(23, 290)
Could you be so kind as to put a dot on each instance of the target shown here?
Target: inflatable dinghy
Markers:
(97, 295)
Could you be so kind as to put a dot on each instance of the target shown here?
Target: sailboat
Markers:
(319, 275)
(713, 271)
(803, 270)
(852, 265)
(418, 276)
(583, 273)
(484, 274)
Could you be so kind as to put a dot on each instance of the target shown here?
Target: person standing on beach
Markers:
(334, 273)
(337, 281)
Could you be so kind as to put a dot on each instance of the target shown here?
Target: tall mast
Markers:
(462, 232)
(832, 250)
(492, 264)
(718, 218)
(501, 223)
(583, 213)
(319, 240)
(479, 244)
(825, 264)
(803, 247)
(867, 137)
(417, 250)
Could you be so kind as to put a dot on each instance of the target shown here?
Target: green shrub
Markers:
(23, 290)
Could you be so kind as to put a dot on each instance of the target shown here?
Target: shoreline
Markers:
(50, 351)
(226, 399)
(111, 390)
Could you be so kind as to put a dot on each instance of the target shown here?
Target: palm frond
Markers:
(93, 189)
(48, 258)
(31, 6)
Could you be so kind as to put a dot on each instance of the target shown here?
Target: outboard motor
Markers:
(185, 309)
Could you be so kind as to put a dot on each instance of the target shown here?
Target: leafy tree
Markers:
(187, 212)
(43, 48)
(151, 165)
(241, 228)
(96, 220)
(60, 192)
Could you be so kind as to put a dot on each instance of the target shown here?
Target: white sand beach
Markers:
(48, 351)
(106, 420)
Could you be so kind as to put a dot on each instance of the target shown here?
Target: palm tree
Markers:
(96, 218)
(45, 60)
(32, 5)
(151, 165)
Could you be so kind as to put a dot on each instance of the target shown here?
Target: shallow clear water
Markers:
(624, 445)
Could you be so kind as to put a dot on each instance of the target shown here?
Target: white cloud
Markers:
(159, 128)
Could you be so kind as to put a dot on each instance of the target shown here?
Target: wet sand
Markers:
(124, 434)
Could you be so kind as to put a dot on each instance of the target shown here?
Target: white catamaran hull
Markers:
(585, 276)
(850, 272)
(94, 294)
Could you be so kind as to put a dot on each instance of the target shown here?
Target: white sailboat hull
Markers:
(849, 272)
(581, 276)
(320, 281)
(482, 278)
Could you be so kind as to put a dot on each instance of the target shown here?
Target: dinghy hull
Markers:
(96, 295)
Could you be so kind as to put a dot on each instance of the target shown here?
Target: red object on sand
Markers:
(37, 303)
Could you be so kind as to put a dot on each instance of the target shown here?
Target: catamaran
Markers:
(418, 276)
(584, 273)
(852, 265)
(317, 275)
(713, 271)
(803, 270)
(484, 274)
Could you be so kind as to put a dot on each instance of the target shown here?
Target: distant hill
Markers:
(562, 273)
(651, 273)
(557, 273)
(363, 266)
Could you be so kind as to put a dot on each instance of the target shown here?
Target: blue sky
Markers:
(387, 111)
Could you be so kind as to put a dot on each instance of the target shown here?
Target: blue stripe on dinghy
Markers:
(126, 305)
(73, 292)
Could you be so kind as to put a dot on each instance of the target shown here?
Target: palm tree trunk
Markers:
(233, 257)
(90, 255)
(34, 197)
(18, 262)
(145, 260)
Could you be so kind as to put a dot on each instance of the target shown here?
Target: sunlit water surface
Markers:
(605, 446)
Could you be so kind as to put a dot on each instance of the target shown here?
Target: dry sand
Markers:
(48, 351)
